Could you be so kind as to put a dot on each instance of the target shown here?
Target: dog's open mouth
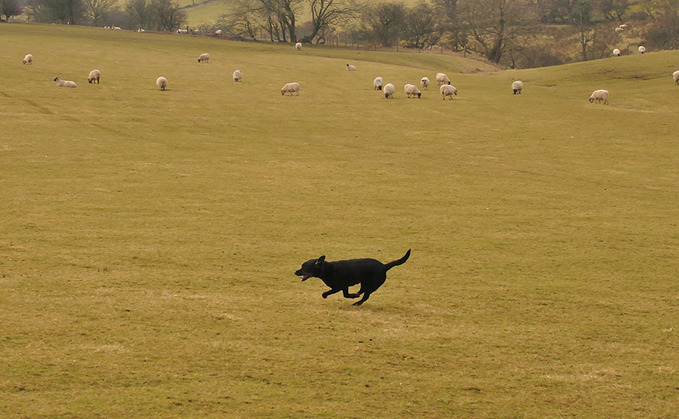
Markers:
(304, 277)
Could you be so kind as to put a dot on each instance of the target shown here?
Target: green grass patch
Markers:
(150, 238)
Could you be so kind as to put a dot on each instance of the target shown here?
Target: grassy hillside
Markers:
(150, 238)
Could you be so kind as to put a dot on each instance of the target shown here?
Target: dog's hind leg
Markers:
(366, 290)
(366, 295)
(347, 295)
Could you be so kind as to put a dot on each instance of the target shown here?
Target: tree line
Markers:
(503, 31)
(158, 15)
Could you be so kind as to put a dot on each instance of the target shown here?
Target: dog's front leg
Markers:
(333, 291)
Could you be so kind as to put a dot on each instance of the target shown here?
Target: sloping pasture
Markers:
(149, 238)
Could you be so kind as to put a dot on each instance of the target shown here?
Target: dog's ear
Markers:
(320, 260)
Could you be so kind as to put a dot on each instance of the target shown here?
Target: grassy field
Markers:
(150, 238)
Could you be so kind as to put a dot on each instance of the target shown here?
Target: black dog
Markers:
(342, 274)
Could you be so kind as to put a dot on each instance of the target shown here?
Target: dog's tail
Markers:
(401, 261)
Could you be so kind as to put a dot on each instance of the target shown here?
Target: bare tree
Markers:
(287, 11)
(98, 10)
(140, 12)
(495, 24)
(56, 11)
(381, 24)
(242, 19)
(665, 31)
(554, 11)
(581, 18)
(420, 26)
(278, 18)
(613, 9)
(327, 13)
(168, 14)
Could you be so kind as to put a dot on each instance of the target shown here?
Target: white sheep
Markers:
(377, 83)
(290, 88)
(424, 83)
(389, 90)
(182, 31)
(616, 52)
(94, 76)
(599, 96)
(448, 90)
(65, 83)
(204, 57)
(517, 87)
(412, 90)
(161, 82)
(675, 76)
(298, 46)
(237, 75)
(141, 30)
(351, 67)
(619, 29)
(218, 32)
(117, 28)
(642, 49)
(28, 59)
(442, 79)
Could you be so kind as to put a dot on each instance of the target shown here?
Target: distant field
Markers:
(207, 12)
(150, 238)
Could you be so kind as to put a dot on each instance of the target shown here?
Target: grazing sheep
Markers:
(182, 31)
(237, 75)
(94, 76)
(377, 83)
(616, 52)
(290, 88)
(204, 57)
(424, 83)
(218, 32)
(442, 79)
(599, 96)
(448, 90)
(28, 59)
(642, 49)
(412, 90)
(675, 75)
(161, 82)
(65, 83)
(141, 30)
(298, 46)
(517, 87)
(351, 67)
(389, 90)
(117, 28)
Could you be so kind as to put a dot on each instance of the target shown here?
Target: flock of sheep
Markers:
(446, 89)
